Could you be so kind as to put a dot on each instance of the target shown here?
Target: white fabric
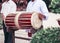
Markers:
(8, 7)
(51, 21)
(37, 6)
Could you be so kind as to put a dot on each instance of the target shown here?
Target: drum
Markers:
(9, 21)
(23, 20)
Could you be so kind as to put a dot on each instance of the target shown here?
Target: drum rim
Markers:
(35, 24)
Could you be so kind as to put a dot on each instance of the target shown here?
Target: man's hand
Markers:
(41, 16)
(3, 17)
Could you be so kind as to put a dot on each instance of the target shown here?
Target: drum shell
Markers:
(23, 21)
(10, 21)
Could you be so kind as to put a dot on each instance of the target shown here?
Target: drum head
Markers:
(35, 21)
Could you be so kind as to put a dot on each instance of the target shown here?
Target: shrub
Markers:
(55, 6)
(50, 35)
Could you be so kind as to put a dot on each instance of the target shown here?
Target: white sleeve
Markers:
(2, 9)
(13, 9)
(28, 6)
(44, 10)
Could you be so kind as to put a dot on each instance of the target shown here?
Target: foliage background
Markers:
(50, 35)
(53, 5)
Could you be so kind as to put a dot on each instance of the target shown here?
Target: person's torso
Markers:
(7, 8)
(37, 6)
(34, 6)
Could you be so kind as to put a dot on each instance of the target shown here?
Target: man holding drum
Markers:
(38, 6)
(7, 7)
